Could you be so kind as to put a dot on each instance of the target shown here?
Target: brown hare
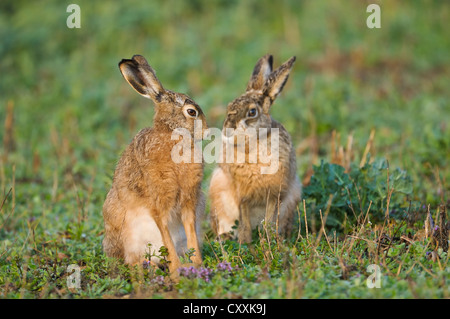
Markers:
(239, 191)
(154, 200)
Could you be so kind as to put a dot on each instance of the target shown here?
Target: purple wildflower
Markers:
(192, 272)
(159, 280)
(189, 272)
(224, 266)
(205, 273)
(146, 263)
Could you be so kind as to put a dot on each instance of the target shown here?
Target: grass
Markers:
(356, 96)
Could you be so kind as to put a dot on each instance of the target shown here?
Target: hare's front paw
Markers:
(245, 236)
(226, 236)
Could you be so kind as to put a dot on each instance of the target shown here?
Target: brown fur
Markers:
(240, 191)
(151, 196)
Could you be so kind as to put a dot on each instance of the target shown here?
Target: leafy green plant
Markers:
(349, 195)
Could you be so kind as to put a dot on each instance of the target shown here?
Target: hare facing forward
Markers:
(240, 190)
(154, 200)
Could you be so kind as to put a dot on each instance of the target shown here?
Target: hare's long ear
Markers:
(276, 81)
(140, 75)
(261, 72)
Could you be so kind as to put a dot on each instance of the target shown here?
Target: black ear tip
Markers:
(135, 60)
(122, 62)
(267, 57)
(289, 63)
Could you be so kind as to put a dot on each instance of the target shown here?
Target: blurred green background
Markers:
(71, 113)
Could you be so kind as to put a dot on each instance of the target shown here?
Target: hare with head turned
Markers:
(154, 200)
(238, 190)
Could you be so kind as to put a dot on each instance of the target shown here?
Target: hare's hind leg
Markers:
(113, 214)
(111, 247)
(140, 230)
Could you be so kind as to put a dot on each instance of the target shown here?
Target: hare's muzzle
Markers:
(201, 129)
(206, 133)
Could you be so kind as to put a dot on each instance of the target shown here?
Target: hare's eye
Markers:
(252, 112)
(191, 112)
